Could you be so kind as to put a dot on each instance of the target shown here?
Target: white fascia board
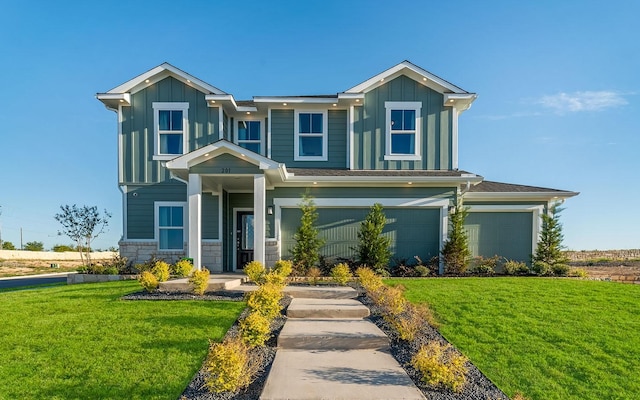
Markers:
(462, 101)
(425, 76)
(440, 180)
(213, 99)
(213, 150)
(113, 100)
(523, 196)
(351, 96)
(365, 202)
(160, 72)
(295, 100)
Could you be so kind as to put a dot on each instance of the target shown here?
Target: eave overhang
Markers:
(519, 196)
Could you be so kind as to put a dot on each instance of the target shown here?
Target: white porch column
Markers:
(194, 192)
(444, 229)
(259, 211)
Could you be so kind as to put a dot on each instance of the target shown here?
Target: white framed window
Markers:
(170, 224)
(170, 121)
(249, 135)
(403, 121)
(310, 135)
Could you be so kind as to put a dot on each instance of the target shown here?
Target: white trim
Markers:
(259, 218)
(521, 196)
(220, 213)
(194, 194)
(125, 208)
(536, 211)
(269, 133)
(156, 222)
(454, 138)
(324, 135)
(170, 106)
(261, 141)
(444, 232)
(351, 139)
(295, 100)
(220, 123)
(120, 151)
(416, 106)
(235, 234)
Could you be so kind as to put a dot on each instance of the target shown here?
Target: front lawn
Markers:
(547, 338)
(82, 342)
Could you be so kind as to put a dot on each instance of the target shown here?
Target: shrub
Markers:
(148, 281)
(255, 271)
(314, 274)
(200, 281)
(60, 248)
(229, 366)
(411, 321)
(283, 268)
(147, 265)
(255, 329)
(560, 269)
(578, 273)
(369, 280)
(541, 268)
(374, 248)
(266, 300)
(161, 271)
(455, 252)
(306, 251)
(440, 365)
(484, 266)
(391, 299)
(341, 274)
(512, 267)
(182, 268)
(274, 278)
(111, 271)
(422, 270)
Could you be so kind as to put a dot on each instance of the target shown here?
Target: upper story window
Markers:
(170, 226)
(403, 120)
(170, 128)
(311, 132)
(249, 135)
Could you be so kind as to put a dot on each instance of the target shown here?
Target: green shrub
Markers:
(484, 266)
(560, 269)
(255, 329)
(283, 268)
(578, 273)
(440, 365)
(369, 280)
(161, 271)
(148, 281)
(512, 267)
(111, 271)
(541, 268)
(182, 268)
(422, 270)
(373, 247)
(314, 274)
(147, 265)
(266, 300)
(341, 274)
(256, 271)
(200, 281)
(230, 366)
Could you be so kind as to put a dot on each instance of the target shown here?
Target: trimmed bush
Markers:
(111, 271)
(200, 281)
(161, 271)
(266, 300)
(541, 268)
(422, 270)
(182, 268)
(578, 273)
(255, 329)
(560, 269)
(341, 274)
(229, 366)
(441, 365)
(369, 280)
(148, 281)
(314, 274)
(283, 268)
(512, 267)
(255, 270)
(484, 266)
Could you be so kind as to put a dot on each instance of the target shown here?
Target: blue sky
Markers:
(558, 90)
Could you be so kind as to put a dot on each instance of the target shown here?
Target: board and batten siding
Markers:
(506, 234)
(137, 131)
(141, 209)
(282, 140)
(413, 231)
(370, 128)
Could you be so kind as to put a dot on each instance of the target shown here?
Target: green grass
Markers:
(82, 342)
(547, 338)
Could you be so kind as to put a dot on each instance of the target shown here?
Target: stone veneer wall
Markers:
(271, 251)
(141, 251)
(212, 256)
(604, 254)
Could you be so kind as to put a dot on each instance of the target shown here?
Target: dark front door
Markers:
(244, 238)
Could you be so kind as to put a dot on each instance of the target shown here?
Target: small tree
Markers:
(8, 246)
(549, 249)
(82, 225)
(34, 246)
(373, 248)
(306, 251)
(455, 252)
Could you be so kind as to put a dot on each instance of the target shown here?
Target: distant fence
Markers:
(52, 255)
(603, 254)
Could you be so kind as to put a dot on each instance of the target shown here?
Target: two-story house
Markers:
(220, 180)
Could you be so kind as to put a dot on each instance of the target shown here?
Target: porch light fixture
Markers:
(206, 155)
(248, 113)
(409, 183)
(146, 81)
(357, 100)
(315, 183)
(269, 210)
(284, 104)
(188, 81)
(334, 104)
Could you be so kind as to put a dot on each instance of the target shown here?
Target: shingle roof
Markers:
(381, 173)
(245, 103)
(499, 187)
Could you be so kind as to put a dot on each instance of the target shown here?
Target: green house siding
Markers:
(138, 140)
(364, 192)
(507, 234)
(282, 140)
(210, 216)
(413, 231)
(370, 122)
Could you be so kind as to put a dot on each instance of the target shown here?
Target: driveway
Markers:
(44, 279)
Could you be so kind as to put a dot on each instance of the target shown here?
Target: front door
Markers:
(244, 238)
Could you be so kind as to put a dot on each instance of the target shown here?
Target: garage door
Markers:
(507, 234)
(413, 231)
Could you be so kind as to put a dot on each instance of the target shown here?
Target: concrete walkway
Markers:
(326, 350)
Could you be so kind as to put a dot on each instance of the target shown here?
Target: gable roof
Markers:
(492, 190)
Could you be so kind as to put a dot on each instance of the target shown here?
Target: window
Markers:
(403, 130)
(249, 135)
(170, 225)
(310, 142)
(170, 127)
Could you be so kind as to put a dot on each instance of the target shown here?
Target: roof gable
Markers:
(217, 149)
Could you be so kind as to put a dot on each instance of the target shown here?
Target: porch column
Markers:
(259, 206)
(444, 229)
(194, 191)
